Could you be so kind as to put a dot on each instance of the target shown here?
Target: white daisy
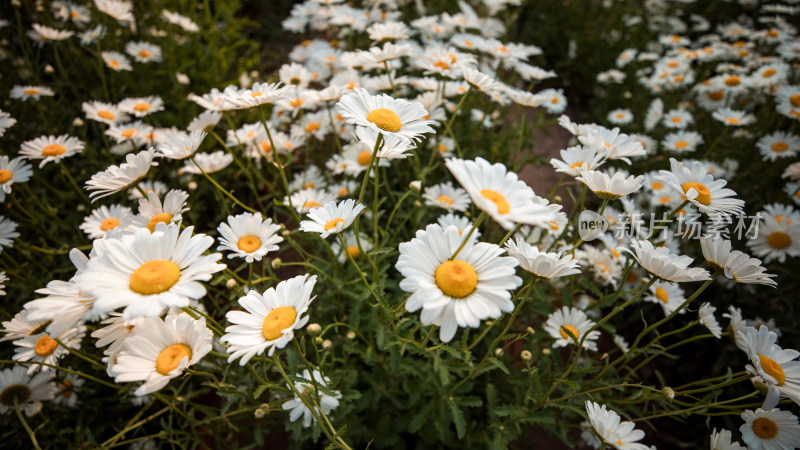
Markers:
(706, 316)
(307, 199)
(118, 178)
(610, 187)
(701, 189)
(182, 146)
(12, 171)
(159, 350)
(208, 162)
(44, 348)
(607, 425)
(66, 391)
(663, 264)
(21, 326)
(770, 429)
(147, 272)
(104, 112)
(669, 295)
(498, 192)
(722, 441)
(391, 147)
(258, 94)
(248, 236)
(270, 320)
(205, 121)
(463, 224)
(779, 144)
(327, 401)
(152, 211)
(8, 232)
(351, 245)
(733, 118)
(778, 234)
(736, 266)
(445, 196)
(777, 367)
(17, 387)
(180, 20)
(104, 219)
(116, 61)
(542, 264)
(117, 9)
(51, 148)
(143, 52)
(142, 106)
(567, 324)
(6, 122)
(386, 115)
(459, 292)
(35, 92)
(332, 218)
(575, 160)
(114, 331)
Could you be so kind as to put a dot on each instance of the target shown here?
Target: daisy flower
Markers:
(607, 425)
(351, 245)
(208, 162)
(682, 141)
(8, 232)
(611, 143)
(542, 264)
(6, 122)
(148, 272)
(51, 148)
(117, 9)
(777, 367)
(248, 236)
(17, 387)
(104, 219)
(567, 324)
(736, 266)
(480, 80)
(182, 21)
(43, 348)
(35, 92)
(610, 187)
(677, 118)
(116, 61)
(12, 171)
(385, 115)
(114, 331)
(706, 317)
(620, 116)
(779, 144)
(160, 350)
(21, 326)
(722, 440)
(445, 196)
(332, 218)
(3, 279)
(206, 121)
(778, 236)
(307, 199)
(388, 31)
(575, 160)
(461, 223)
(458, 292)
(554, 101)
(135, 132)
(662, 264)
(500, 193)
(66, 391)
(654, 114)
(701, 189)
(42, 34)
(142, 106)
(143, 52)
(327, 401)
(733, 118)
(258, 94)
(770, 429)
(152, 211)
(271, 318)
(182, 146)
(104, 112)
(391, 147)
(669, 295)
(119, 178)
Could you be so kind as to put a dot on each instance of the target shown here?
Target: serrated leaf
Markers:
(458, 419)
(419, 419)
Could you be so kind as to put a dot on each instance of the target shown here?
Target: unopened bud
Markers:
(80, 207)
(530, 330)
(192, 186)
(49, 69)
(669, 393)
(498, 351)
(314, 329)
(276, 263)
(415, 185)
(318, 341)
(326, 344)
(230, 283)
(351, 335)
(78, 122)
(525, 355)
(259, 413)
(545, 351)
(285, 233)
(558, 199)
(762, 388)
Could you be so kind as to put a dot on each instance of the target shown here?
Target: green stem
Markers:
(27, 427)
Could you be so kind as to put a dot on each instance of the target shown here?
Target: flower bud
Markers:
(326, 344)
(415, 185)
(276, 263)
(498, 351)
(546, 351)
(49, 69)
(530, 330)
(669, 393)
(77, 122)
(314, 329)
(351, 335)
(259, 413)
(525, 355)
(192, 186)
(230, 283)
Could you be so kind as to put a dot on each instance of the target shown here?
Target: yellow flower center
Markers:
(732, 80)
(676, 119)
(681, 144)
(456, 278)
(779, 240)
(568, 332)
(795, 100)
(296, 102)
(331, 224)
(385, 119)
(31, 91)
(311, 204)
(53, 150)
(703, 194)
(353, 251)
(66, 389)
(170, 358)
(5, 175)
(158, 218)
(768, 73)
(716, 96)
(364, 157)
(108, 115)
(276, 321)
(779, 147)
(343, 191)
(772, 369)
(765, 428)
(154, 277)
(661, 295)
(45, 346)
(141, 107)
(109, 224)
(657, 185)
(445, 199)
(312, 127)
(309, 185)
(128, 133)
(249, 243)
(576, 165)
(114, 63)
(732, 120)
(144, 53)
(498, 199)
(442, 65)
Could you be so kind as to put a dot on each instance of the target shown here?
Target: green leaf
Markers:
(458, 419)
(419, 419)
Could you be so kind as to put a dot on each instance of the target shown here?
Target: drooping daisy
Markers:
(391, 146)
(8, 232)
(205, 121)
(208, 162)
(42, 34)
(51, 148)
(104, 219)
(17, 387)
(180, 20)
(777, 367)
(328, 402)
(722, 440)
(152, 211)
(270, 320)
(502, 195)
(331, 218)
(611, 143)
(459, 292)
(21, 326)
(701, 189)
(12, 171)
(160, 350)
(542, 264)
(116, 61)
(736, 266)
(386, 115)
(669, 295)
(147, 272)
(6, 122)
(770, 429)
(706, 316)
(607, 425)
(143, 52)
(779, 144)
(567, 324)
(663, 264)
(445, 196)
(610, 187)
(114, 331)
(182, 146)
(35, 92)
(118, 9)
(118, 178)
(249, 236)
